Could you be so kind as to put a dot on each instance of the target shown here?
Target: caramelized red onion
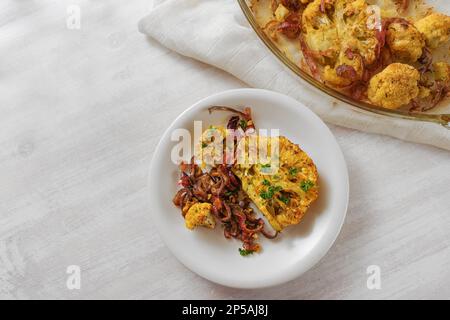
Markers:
(309, 58)
(234, 122)
(404, 4)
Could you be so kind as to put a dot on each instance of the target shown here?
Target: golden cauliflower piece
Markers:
(441, 71)
(352, 17)
(199, 215)
(435, 28)
(281, 13)
(405, 41)
(283, 190)
(395, 86)
(320, 31)
(346, 71)
(424, 92)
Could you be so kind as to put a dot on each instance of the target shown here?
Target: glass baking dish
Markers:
(442, 118)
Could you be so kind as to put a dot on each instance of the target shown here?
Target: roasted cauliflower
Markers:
(441, 71)
(199, 215)
(354, 31)
(395, 86)
(405, 41)
(283, 190)
(281, 13)
(435, 28)
(348, 69)
(320, 32)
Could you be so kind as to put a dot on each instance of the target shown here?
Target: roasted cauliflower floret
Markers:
(320, 32)
(283, 190)
(441, 71)
(281, 13)
(395, 86)
(405, 41)
(352, 17)
(435, 28)
(199, 215)
(348, 69)
(293, 5)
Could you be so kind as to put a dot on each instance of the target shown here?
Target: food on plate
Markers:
(284, 195)
(395, 86)
(442, 71)
(359, 47)
(221, 186)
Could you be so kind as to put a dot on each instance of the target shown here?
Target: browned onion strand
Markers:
(291, 27)
(229, 109)
(223, 190)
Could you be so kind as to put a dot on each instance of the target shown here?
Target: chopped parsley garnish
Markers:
(204, 145)
(284, 199)
(229, 193)
(270, 192)
(245, 252)
(306, 185)
(293, 171)
(266, 182)
(243, 124)
(267, 165)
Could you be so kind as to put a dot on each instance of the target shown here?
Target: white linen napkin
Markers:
(217, 33)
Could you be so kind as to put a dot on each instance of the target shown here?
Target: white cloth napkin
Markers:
(217, 33)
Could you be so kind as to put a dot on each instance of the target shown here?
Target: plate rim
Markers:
(266, 282)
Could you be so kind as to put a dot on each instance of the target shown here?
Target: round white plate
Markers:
(298, 248)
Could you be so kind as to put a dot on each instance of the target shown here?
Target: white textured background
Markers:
(81, 112)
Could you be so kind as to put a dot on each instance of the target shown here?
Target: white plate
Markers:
(298, 248)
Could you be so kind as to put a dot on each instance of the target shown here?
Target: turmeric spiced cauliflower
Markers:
(361, 51)
(395, 86)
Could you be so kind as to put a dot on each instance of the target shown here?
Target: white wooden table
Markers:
(82, 110)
